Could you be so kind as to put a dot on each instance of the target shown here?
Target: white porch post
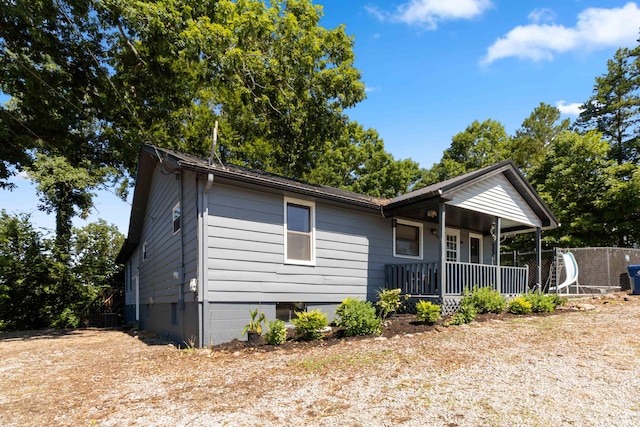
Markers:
(539, 258)
(443, 250)
(497, 255)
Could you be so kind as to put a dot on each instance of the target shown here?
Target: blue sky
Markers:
(432, 67)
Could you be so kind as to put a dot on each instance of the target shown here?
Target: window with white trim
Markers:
(176, 214)
(299, 239)
(407, 239)
(452, 245)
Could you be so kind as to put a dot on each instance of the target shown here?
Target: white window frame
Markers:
(456, 233)
(480, 253)
(312, 227)
(174, 219)
(420, 227)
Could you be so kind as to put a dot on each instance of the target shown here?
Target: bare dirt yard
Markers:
(574, 368)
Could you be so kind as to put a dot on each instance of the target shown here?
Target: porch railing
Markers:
(421, 279)
(413, 279)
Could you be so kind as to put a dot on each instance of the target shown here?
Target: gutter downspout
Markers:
(209, 183)
(203, 220)
(181, 295)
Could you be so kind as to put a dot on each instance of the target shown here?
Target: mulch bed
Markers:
(398, 325)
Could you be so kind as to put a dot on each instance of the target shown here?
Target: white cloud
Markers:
(369, 89)
(428, 13)
(572, 109)
(541, 15)
(596, 28)
(22, 175)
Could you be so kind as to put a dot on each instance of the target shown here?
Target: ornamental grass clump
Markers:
(357, 317)
(309, 324)
(428, 312)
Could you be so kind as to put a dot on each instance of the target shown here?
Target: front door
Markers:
(475, 248)
(453, 245)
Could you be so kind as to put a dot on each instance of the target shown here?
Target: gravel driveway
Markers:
(578, 368)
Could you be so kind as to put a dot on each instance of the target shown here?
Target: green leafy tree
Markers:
(53, 60)
(53, 56)
(26, 285)
(532, 142)
(577, 182)
(36, 291)
(277, 81)
(479, 145)
(94, 248)
(614, 107)
(64, 189)
(357, 161)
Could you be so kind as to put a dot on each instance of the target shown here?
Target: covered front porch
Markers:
(459, 226)
(420, 280)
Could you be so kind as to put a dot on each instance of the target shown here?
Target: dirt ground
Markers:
(580, 366)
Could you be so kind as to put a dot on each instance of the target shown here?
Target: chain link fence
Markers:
(604, 266)
(528, 259)
(598, 267)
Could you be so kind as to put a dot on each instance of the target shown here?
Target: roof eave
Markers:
(218, 172)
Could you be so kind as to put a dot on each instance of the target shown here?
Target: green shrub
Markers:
(557, 299)
(358, 317)
(487, 300)
(309, 324)
(68, 319)
(540, 303)
(519, 305)
(465, 314)
(428, 312)
(277, 333)
(390, 301)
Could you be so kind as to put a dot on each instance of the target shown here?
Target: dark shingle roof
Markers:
(252, 176)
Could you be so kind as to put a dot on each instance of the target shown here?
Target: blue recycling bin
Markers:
(634, 274)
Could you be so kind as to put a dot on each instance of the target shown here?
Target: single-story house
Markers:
(207, 242)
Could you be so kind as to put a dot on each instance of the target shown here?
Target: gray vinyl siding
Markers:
(189, 232)
(496, 196)
(164, 250)
(227, 320)
(130, 271)
(167, 306)
(246, 251)
(431, 248)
